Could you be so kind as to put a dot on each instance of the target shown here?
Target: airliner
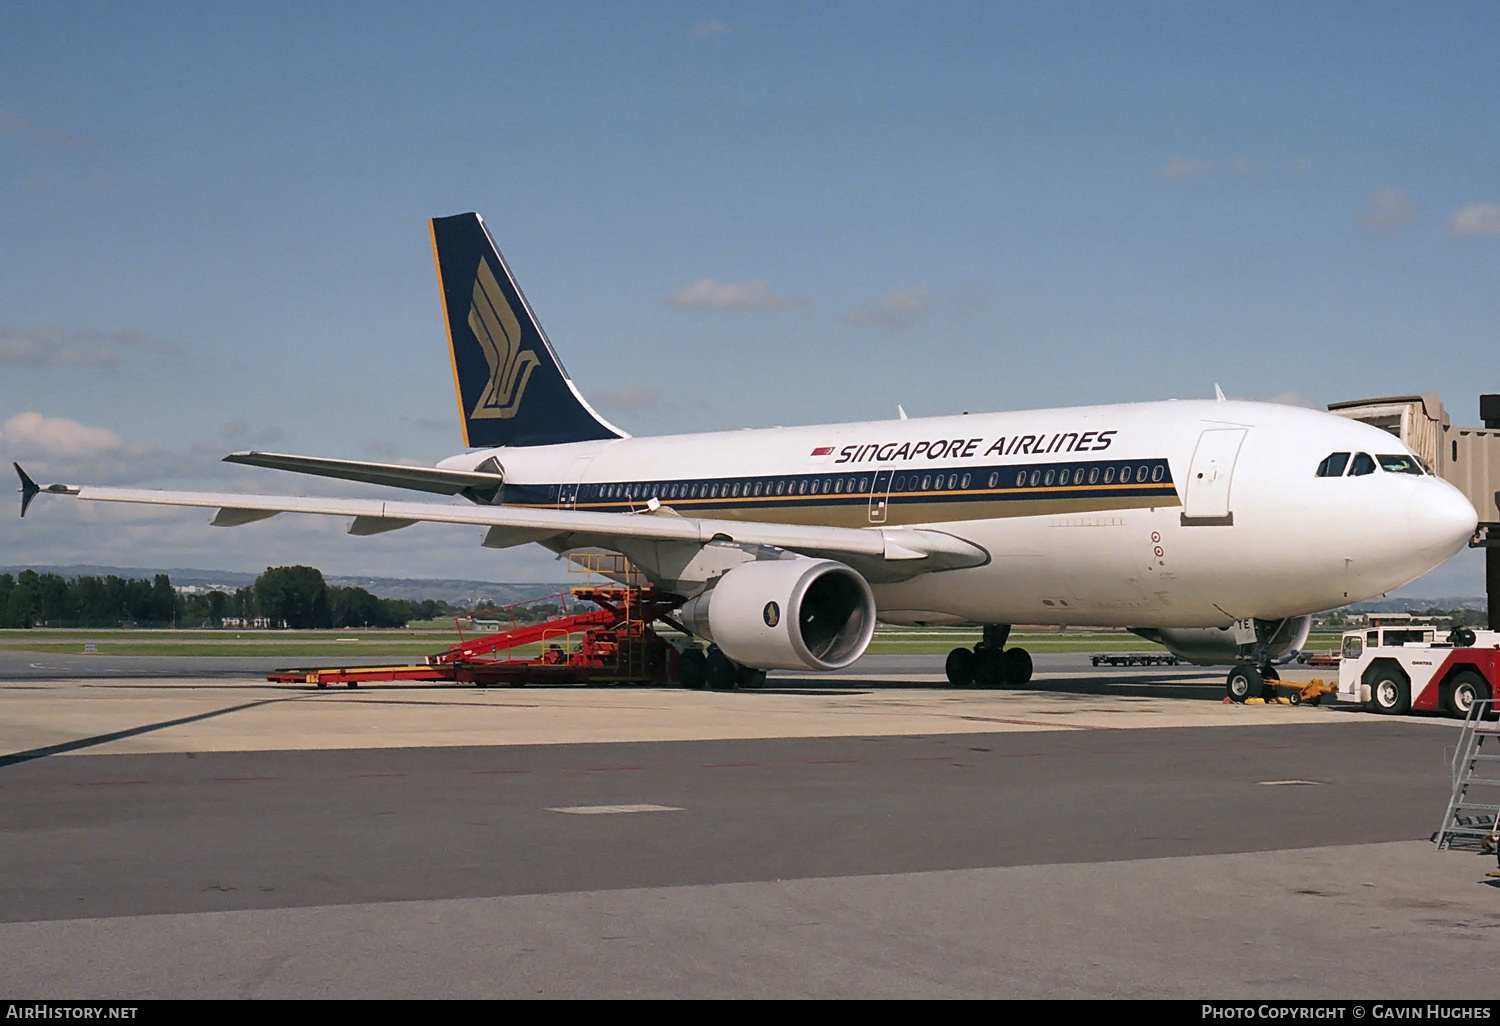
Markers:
(1216, 527)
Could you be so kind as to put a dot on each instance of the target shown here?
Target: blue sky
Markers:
(212, 226)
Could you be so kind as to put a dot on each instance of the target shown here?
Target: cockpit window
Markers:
(1400, 464)
(1363, 465)
(1333, 464)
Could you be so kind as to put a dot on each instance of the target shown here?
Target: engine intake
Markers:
(786, 614)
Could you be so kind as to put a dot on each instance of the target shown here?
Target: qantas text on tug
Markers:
(1215, 526)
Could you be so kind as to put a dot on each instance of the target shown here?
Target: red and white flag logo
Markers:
(823, 450)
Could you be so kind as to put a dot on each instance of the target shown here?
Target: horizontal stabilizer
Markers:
(476, 485)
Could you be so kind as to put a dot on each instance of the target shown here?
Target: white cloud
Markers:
(707, 294)
(1387, 210)
(710, 27)
(32, 434)
(1475, 219)
(54, 347)
(51, 138)
(628, 397)
(895, 310)
(1186, 167)
(82, 453)
(240, 431)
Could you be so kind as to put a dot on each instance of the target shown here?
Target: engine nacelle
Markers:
(1216, 646)
(786, 614)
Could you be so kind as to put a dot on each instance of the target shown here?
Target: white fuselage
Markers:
(1231, 520)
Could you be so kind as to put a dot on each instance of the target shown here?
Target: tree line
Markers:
(285, 596)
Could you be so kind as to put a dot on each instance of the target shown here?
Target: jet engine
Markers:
(786, 614)
(1216, 646)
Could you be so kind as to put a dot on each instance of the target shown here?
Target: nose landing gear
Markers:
(990, 664)
(1248, 681)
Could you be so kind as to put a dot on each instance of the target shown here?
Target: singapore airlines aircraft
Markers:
(1216, 527)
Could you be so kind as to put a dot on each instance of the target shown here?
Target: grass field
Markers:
(413, 644)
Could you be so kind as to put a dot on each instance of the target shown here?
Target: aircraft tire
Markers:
(960, 667)
(1460, 695)
(752, 678)
(1017, 664)
(989, 667)
(720, 671)
(1243, 683)
(692, 669)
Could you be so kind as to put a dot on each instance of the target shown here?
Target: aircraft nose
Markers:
(1440, 518)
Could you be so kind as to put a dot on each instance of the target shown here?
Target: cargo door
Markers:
(1207, 503)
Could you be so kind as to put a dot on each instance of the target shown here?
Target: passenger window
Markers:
(1093, 475)
(1124, 475)
(926, 482)
(1400, 464)
(827, 486)
(735, 491)
(1109, 474)
(994, 480)
(1036, 475)
(1333, 464)
(1140, 474)
(1156, 472)
(1047, 479)
(864, 484)
(900, 484)
(952, 481)
(802, 488)
(1021, 479)
(964, 481)
(1363, 465)
(780, 487)
(757, 487)
(1353, 647)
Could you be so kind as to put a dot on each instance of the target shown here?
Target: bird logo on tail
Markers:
(499, 333)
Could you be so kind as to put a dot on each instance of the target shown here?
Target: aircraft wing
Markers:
(891, 553)
(426, 479)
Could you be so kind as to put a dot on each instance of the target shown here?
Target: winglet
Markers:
(1219, 393)
(29, 488)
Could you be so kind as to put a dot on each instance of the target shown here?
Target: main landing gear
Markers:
(990, 664)
(716, 671)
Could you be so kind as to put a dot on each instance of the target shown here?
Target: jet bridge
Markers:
(1466, 457)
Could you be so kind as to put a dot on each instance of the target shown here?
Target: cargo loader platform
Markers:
(612, 644)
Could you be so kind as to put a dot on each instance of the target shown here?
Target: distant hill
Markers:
(458, 592)
(1417, 605)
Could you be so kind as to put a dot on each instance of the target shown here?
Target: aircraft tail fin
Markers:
(512, 389)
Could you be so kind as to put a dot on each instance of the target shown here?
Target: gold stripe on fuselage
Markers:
(848, 510)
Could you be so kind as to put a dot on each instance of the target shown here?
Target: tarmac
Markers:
(179, 828)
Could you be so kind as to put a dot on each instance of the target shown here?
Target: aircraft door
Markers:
(1207, 501)
(567, 494)
(880, 496)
